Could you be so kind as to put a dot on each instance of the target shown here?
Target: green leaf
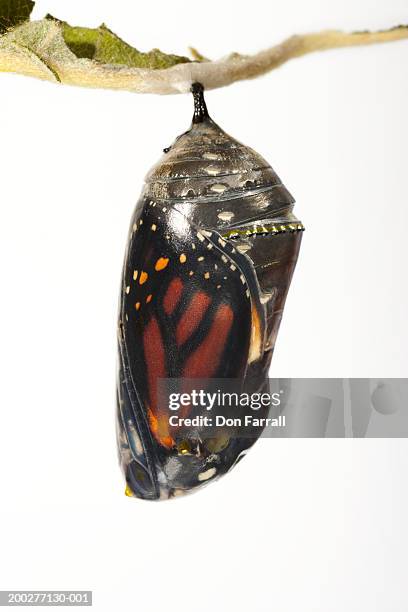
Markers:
(104, 46)
(14, 12)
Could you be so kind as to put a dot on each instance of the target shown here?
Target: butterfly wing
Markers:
(189, 310)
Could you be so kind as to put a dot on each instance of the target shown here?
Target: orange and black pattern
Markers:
(186, 313)
(212, 248)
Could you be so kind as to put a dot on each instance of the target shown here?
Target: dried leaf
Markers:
(51, 50)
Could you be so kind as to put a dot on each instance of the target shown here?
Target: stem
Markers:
(200, 107)
(48, 57)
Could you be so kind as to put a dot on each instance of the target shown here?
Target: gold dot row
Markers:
(262, 230)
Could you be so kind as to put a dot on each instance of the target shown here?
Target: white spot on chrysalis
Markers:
(218, 188)
(211, 156)
(135, 438)
(226, 215)
(207, 474)
(265, 297)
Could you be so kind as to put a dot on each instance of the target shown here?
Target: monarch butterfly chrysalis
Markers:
(213, 245)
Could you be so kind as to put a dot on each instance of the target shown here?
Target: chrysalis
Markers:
(213, 245)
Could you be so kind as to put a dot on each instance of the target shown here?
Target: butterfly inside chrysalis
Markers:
(212, 249)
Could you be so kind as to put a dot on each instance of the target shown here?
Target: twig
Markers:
(38, 49)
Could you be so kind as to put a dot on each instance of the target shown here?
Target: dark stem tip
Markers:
(200, 108)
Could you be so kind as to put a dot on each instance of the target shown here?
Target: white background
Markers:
(299, 526)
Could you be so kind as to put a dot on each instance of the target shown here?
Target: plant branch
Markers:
(39, 49)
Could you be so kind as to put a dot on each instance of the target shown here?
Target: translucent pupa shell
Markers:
(213, 247)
